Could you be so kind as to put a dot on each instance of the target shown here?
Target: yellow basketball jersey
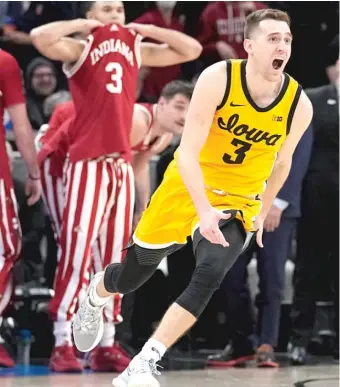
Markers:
(244, 139)
(237, 158)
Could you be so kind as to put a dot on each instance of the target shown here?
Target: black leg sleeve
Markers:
(137, 268)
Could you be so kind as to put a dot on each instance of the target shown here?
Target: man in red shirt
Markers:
(153, 127)
(221, 29)
(12, 99)
(103, 80)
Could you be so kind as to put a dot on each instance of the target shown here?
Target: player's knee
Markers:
(125, 287)
(137, 268)
(110, 277)
(205, 281)
(116, 280)
(209, 276)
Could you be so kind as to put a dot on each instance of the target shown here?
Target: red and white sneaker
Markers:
(5, 358)
(63, 359)
(109, 359)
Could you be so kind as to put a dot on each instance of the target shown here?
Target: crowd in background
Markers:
(302, 231)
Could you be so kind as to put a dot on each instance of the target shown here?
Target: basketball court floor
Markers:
(309, 376)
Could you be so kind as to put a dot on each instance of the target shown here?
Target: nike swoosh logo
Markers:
(235, 104)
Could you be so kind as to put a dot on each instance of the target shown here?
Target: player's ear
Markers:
(248, 46)
(162, 101)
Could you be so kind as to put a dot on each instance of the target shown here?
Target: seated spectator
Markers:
(41, 82)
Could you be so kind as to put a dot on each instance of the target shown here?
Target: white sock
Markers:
(108, 335)
(2, 341)
(63, 333)
(95, 299)
(153, 349)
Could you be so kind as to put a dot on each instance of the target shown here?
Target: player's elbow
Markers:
(41, 39)
(185, 158)
(36, 35)
(181, 153)
(194, 50)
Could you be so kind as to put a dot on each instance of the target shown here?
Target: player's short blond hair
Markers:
(254, 19)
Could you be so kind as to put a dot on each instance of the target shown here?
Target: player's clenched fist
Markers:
(89, 25)
(143, 29)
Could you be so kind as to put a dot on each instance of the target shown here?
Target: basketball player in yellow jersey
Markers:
(243, 124)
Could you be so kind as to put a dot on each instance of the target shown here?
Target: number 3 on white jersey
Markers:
(116, 70)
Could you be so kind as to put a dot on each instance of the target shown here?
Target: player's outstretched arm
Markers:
(52, 40)
(176, 48)
(301, 120)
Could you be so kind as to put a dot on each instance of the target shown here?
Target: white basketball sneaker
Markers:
(140, 373)
(88, 325)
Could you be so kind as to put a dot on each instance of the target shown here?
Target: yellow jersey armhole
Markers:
(293, 108)
(228, 85)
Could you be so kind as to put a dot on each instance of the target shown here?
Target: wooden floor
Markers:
(315, 376)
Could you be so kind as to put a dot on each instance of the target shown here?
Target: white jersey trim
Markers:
(155, 246)
(138, 48)
(41, 133)
(70, 69)
(146, 111)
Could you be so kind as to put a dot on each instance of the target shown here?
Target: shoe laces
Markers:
(89, 317)
(148, 366)
(153, 367)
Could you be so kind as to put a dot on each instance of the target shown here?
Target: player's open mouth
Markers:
(277, 63)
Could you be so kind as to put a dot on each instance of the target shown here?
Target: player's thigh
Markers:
(115, 230)
(214, 260)
(168, 218)
(85, 203)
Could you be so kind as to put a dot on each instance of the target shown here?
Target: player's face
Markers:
(270, 46)
(108, 12)
(172, 113)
